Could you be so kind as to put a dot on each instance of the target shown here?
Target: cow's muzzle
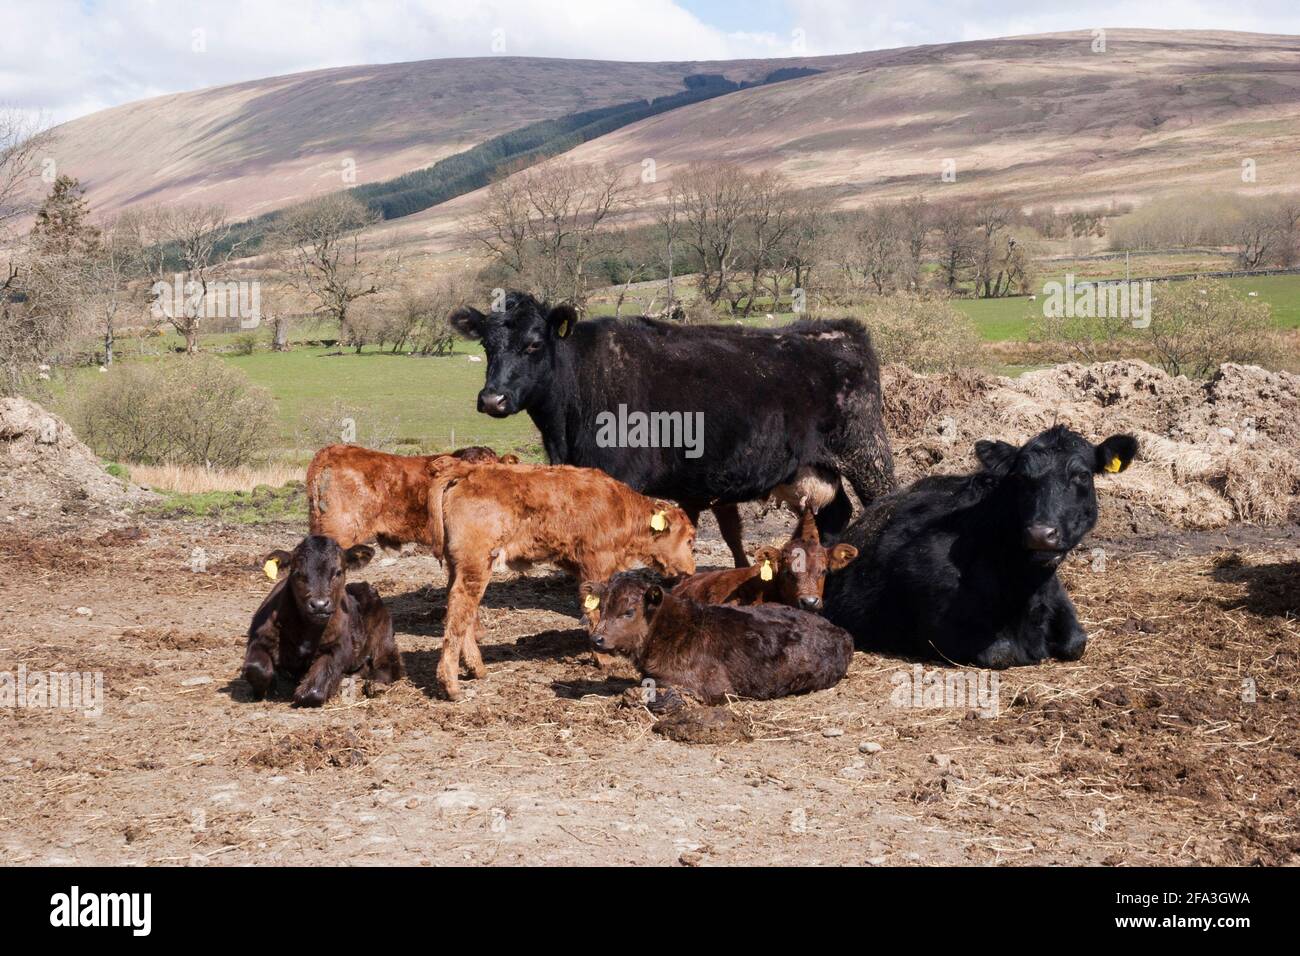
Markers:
(493, 403)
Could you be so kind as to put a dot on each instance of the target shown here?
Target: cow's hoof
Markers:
(998, 656)
(309, 698)
(258, 681)
(1072, 649)
(665, 701)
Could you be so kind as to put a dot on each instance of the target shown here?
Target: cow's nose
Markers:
(1042, 537)
(319, 605)
(494, 403)
(810, 602)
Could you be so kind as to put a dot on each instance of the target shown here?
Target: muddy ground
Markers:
(1174, 740)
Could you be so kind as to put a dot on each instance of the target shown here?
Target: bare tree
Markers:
(500, 224)
(322, 258)
(22, 143)
(716, 199)
(669, 220)
(1286, 220)
(541, 224)
(105, 276)
(952, 226)
(772, 214)
(187, 247)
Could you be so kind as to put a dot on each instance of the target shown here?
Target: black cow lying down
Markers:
(788, 410)
(964, 567)
(314, 627)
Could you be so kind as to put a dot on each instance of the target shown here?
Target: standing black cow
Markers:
(794, 404)
(964, 567)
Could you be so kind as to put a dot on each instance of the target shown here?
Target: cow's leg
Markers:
(732, 529)
(470, 655)
(385, 659)
(322, 680)
(465, 587)
(259, 660)
(1066, 638)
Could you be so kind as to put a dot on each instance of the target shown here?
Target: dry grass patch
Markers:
(192, 479)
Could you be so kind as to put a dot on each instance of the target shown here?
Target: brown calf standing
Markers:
(314, 627)
(355, 494)
(794, 574)
(713, 651)
(579, 519)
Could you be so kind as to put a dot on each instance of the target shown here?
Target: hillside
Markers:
(1042, 117)
(262, 144)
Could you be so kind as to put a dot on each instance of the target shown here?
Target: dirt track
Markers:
(1143, 752)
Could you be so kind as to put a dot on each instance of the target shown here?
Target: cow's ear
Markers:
(841, 555)
(1116, 453)
(768, 560)
(469, 322)
(654, 596)
(591, 593)
(562, 319)
(358, 556)
(440, 463)
(994, 455)
(275, 562)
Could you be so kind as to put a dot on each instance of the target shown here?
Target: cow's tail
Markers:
(318, 481)
(862, 450)
(444, 472)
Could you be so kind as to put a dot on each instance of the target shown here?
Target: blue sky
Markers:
(64, 58)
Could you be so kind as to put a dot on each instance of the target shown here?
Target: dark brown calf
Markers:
(793, 575)
(579, 519)
(356, 495)
(314, 627)
(714, 651)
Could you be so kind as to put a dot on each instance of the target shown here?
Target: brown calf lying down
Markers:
(314, 627)
(356, 495)
(794, 574)
(713, 651)
(579, 519)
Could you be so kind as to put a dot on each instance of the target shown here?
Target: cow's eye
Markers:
(532, 348)
(630, 612)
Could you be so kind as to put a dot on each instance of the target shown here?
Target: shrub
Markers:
(196, 410)
(1196, 326)
(246, 343)
(926, 335)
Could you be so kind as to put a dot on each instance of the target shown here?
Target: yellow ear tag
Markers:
(659, 521)
(592, 602)
(1115, 464)
(271, 569)
(765, 572)
(564, 328)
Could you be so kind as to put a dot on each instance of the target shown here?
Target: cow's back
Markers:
(536, 510)
(771, 400)
(355, 494)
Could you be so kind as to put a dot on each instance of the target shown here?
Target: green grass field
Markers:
(1001, 320)
(428, 404)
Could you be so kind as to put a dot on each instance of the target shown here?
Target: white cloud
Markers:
(64, 58)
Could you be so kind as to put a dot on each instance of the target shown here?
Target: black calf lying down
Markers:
(964, 567)
(314, 627)
(712, 650)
